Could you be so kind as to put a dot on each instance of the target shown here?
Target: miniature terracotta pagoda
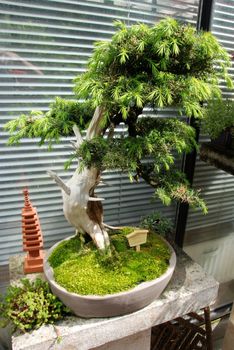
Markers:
(32, 237)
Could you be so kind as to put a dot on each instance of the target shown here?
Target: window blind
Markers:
(44, 44)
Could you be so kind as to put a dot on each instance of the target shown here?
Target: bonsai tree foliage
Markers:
(166, 65)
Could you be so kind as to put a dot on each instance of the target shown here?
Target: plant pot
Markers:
(225, 139)
(111, 304)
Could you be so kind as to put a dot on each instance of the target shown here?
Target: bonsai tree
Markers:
(166, 65)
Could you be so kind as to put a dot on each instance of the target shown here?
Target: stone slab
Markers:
(190, 289)
(138, 341)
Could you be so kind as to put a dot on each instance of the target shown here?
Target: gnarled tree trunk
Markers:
(81, 208)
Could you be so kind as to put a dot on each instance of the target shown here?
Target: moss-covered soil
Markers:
(86, 271)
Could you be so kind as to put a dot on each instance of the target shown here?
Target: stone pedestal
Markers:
(190, 289)
(138, 341)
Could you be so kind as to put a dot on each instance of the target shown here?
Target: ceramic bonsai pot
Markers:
(111, 304)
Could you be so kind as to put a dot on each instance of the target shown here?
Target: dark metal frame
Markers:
(205, 14)
(189, 160)
(192, 331)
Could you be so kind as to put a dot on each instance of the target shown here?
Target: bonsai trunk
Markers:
(81, 207)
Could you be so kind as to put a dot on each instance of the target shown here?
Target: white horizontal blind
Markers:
(217, 186)
(43, 45)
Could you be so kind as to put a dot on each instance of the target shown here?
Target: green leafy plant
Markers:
(219, 116)
(156, 222)
(30, 305)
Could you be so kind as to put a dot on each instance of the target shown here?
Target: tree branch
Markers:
(95, 128)
(77, 133)
(59, 182)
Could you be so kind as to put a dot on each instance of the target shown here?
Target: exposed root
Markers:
(113, 227)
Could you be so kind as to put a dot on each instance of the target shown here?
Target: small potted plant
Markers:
(219, 125)
(29, 305)
(166, 65)
(219, 122)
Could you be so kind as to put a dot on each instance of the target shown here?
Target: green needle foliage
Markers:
(166, 65)
(156, 138)
(50, 126)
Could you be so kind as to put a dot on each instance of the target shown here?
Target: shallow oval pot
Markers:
(110, 304)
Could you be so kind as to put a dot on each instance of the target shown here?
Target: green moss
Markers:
(120, 243)
(86, 271)
(65, 251)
